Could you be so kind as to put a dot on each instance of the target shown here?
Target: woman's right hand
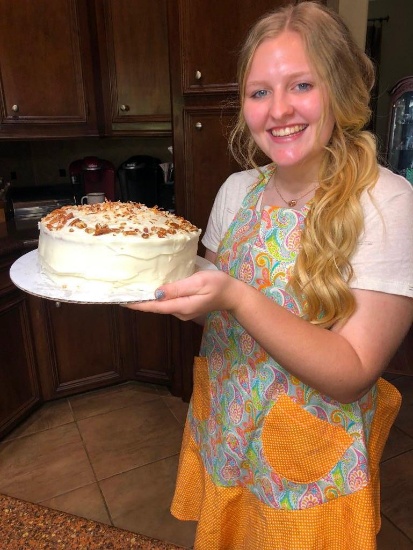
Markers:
(194, 296)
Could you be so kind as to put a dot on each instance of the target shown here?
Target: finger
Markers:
(163, 305)
(169, 291)
(189, 286)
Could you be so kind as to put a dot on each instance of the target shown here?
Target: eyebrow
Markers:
(301, 74)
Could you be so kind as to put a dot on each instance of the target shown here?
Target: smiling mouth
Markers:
(290, 131)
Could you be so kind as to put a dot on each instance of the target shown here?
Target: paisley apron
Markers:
(267, 462)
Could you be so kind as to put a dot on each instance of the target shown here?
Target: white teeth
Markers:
(282, 132)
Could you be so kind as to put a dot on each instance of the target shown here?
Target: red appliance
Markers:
(92, 175)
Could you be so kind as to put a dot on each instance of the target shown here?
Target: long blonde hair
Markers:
(335, 221)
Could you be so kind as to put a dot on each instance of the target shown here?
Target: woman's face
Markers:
(283, 105)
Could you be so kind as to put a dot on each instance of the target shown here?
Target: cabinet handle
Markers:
(15, 108)
(124, 108)
(58, 304)
(198, 125)
(198, 75)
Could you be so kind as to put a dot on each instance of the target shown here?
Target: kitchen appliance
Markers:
(27, 205)
(92, 175)
(141, 179)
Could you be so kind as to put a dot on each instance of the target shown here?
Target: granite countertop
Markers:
(30, 526)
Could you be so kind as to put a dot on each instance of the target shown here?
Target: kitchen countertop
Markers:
(30, 526)
(14, 238)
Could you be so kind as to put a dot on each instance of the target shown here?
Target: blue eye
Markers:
(304, 86)
(260, 93)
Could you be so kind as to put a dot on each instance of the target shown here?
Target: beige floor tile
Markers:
(109, 399)
(42, 465)
(390, 538)
(178, 408)
(86, 502)
(139, 501)
(50, 415)
(130, 437)
(397, 492)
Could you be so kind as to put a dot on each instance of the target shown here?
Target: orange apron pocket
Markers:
(201, 401)
(300, 446)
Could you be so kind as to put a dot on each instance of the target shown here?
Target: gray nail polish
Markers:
(159, 294)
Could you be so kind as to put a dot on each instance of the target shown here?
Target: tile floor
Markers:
(111, 455)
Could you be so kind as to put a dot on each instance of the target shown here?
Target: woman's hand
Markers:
(194, 296)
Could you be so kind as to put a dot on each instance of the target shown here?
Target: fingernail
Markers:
(159, 294)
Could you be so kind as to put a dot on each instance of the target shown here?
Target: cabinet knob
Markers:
(15, 108)
(198, 75)
(58, 304)
(124, 108)
(198, 125)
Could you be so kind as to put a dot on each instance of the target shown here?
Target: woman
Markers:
(311, 299)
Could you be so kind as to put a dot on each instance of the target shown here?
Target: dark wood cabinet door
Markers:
(207, 160)
(78, 346)
(148, 346)
(133, 39)
(19, 390)
(47, 85)
(18, 381)
(211, 35)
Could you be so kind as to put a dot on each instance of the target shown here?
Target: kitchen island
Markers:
(25, 525)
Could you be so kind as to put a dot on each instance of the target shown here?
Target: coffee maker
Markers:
(92, 175)
(141, 179)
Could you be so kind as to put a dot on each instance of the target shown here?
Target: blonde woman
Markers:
(311, 299)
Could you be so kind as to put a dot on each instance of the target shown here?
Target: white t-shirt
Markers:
(383, 259)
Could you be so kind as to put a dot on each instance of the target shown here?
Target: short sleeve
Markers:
(383, 260)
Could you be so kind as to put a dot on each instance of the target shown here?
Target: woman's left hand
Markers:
(194, 296)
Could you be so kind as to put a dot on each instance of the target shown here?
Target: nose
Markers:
(281, 106)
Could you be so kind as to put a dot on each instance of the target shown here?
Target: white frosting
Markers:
(116, 244)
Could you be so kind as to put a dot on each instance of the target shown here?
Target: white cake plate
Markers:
(26, 275)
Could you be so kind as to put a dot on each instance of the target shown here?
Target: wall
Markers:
(354, 13)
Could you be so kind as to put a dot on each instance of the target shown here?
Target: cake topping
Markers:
(124, 218)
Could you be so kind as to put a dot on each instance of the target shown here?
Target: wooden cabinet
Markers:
(77, 346)
(80, 347)
(19, 390)
(132, 36)
(72, 68)
(207, 159)
(148, 347)
(46, 66)
(210, 34)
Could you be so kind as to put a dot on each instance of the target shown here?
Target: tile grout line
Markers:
(91, 465)
(98, 481)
